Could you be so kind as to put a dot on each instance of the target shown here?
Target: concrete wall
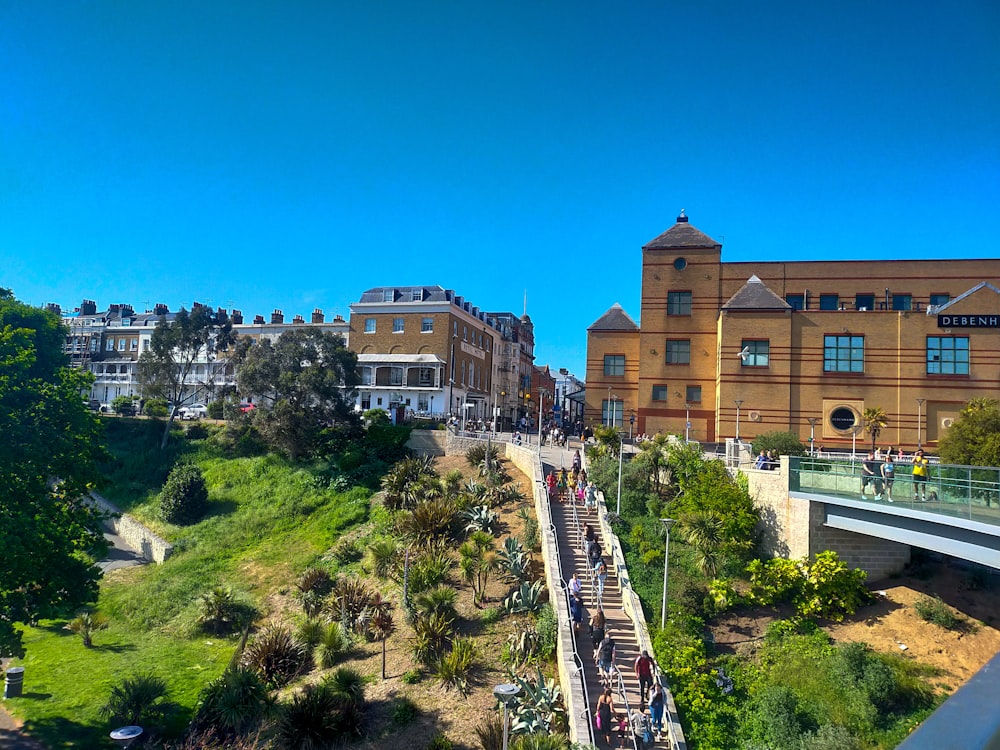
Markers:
(134, 534)
(427, 442)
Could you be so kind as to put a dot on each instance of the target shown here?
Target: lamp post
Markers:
(667, 523)
(687, 423)
(505, 693)
(920, 408)
(631, 423)
(812, 434)
(451, 389)
(739, 403)
(541, 403)
(610, 408)
(621, 452)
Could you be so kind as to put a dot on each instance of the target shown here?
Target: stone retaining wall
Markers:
(134, 534)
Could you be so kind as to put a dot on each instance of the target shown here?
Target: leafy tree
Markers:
(120, 404)
(174, 348)
(52, 444)
(185, 495)
(654, 457)
(304, 382)
(875, 421)
(974, 437)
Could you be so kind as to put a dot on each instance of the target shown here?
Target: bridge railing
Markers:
(969, 492)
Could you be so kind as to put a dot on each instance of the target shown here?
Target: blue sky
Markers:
(265, 155)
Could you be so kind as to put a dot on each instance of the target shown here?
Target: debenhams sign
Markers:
(968, 321)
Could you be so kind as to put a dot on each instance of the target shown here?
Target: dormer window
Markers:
(388, 295)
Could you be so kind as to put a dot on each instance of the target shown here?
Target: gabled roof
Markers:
(615, 319)
(754, 295)
(681, 235)
(935, 309)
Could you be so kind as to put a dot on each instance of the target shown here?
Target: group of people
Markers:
(572, 486)
(878, 471)
(767, 460)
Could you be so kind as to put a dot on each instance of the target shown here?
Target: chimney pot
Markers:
(298, 319)
(317, 316)
(277, 317)
(237, 317)
(258, 320)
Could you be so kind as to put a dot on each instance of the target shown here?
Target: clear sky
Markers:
(290, 155)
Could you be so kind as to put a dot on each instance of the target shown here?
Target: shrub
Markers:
(318, 717)
(404, 711)
(222, 613)
(782, 443)
(433, 634)
(313, 586)
(310, 633)
(933, 610)
(380, 557)
(490, 732)
(184, 496)
(412, 676)
(156, 407)
(548, 632)
(492, 616)
(122, 405)
(476, 455)
(196, 431)
(276, 655)
(139, 699)
(440, 742)
(439, 600)
(215, 409)
(86, 624)
(428, 521)
(348, 601)
(529, 536)
(430, 569)
(234, 703)
(333, 644)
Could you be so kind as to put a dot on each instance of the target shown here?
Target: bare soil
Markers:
(891, 624)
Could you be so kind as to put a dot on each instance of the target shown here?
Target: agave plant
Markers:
(539, 706)
(514, 561)
(527, 598)
(481, 518)
(522, 645)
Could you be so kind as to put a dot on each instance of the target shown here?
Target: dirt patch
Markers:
(891, 624)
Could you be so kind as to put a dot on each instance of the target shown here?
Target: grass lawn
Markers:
(268, 520)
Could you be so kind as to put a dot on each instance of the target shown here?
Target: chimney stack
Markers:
(258, 320)
(89, 307)
(160, 309)
(317, 316)
(298, 320)
(277, 317)
(237, 317)
(52, 307)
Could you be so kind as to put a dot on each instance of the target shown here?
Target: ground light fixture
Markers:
(506, 692)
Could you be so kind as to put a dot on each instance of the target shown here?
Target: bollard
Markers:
(14, 683)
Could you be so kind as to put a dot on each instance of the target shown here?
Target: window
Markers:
(110, 345)
(425, 377)
(145, 345)
(463, 373)
(388, 295)
(369, 325)
(366, 401)
(829, 302)
(94, 342)
(758, 353)
(397, 325)
(612, 412)
(940, 299)
(121, 345)
(694, 394)
(678, 352)
(678, 303)
(902, 302)
(465, 333)
(947, 355)
(417, 295)
(422, 402)
(864, 301)
(427, 325)
(366, 376)
(133, 345)
(796, 301)
(659, 393)
(680, 264)
(843, 354)
(614, 365)
(396, 376)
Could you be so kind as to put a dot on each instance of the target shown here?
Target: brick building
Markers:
(804, 346)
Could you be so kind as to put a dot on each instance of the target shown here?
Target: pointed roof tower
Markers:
(755, 295)
(615, 319)
(682, 235)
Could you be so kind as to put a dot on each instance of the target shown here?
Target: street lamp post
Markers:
(739, 403)
(610, 408)
(541, 402)
(667, 523)
(687, 423)
(505, 693)
(621, 452)
(451, 388)
(920, 408)
(812, 434)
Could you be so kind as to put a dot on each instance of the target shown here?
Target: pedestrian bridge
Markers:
(960, 516)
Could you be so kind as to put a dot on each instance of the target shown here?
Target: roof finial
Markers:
(682, 219)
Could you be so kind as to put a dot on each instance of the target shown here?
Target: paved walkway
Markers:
(573, 558)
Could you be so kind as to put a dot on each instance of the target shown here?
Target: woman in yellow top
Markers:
(920, 474)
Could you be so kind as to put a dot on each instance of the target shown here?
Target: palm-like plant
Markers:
(703, 531)
(234, 703)
(381, 625)
(276, 655)
(137, 700)
(334, 643)
(428, 521)
(381, 557)
(875, 421)
(477, 561)
(453, 668)
(313, 586)
(222, 612)
(653, 456)
(86, 624)
(398, 485)
(348, 600)
(434, 632)
(440, 599)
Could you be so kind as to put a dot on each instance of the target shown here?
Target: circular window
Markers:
(680, 264)
(843, 419)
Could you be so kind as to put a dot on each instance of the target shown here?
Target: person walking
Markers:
(604, 716)
(921, 471)
(640, 727)
(868, 473)
(643, 667)
(597, 624)
(590, 497)
(888, 473)
(550, 482)
(601, 569)
(605, 657)
(656, 705)
(575, 587)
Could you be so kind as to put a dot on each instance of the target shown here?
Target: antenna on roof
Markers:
(525, 301)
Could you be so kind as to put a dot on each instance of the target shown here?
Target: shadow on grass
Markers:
(59, 732)
(35, 697)
(115, 648)
(220, 508)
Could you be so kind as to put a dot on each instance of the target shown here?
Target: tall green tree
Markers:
(874, 421)
(304, 383)
(176, 346)
(974, 437)
(51, 444)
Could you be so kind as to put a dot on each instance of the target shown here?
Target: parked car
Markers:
(246, 407)
(192, 411)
